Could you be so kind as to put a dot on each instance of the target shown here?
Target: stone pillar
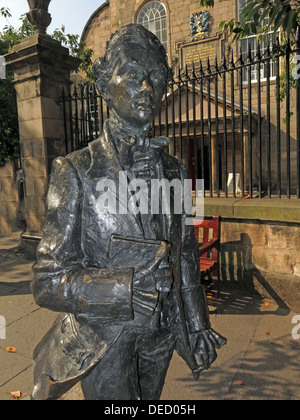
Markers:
(41, 68)
(9, 199)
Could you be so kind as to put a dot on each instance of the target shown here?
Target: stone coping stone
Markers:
(273, 210)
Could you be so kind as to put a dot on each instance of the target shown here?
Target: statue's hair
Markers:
(133, 34)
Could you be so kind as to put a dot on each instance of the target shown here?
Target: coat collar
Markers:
(105, 163)
(103, 150)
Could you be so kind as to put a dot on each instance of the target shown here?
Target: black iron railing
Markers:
(235, 123)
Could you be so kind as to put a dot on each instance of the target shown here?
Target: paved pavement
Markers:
(260, 361)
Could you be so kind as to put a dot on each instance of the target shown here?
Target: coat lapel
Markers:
(105, 163)
(170, 172)
(104, 157)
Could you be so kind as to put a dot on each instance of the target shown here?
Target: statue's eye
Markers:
(132, 74)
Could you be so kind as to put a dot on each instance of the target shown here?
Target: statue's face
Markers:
(137, 86)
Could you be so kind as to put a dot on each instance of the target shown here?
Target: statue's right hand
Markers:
(146, 270)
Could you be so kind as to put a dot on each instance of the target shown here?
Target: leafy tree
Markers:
(4, 11)
(9, 133)
(77, 49)
(284, 14)
(10, 36)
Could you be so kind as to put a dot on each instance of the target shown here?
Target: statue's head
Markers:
(133, 74)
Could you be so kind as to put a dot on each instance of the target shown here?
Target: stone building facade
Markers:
(172, 23)
(10, 199)
(113, 14)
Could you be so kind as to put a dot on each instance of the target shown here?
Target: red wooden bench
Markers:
(209, 248)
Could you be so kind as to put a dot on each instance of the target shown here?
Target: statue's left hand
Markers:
(204, 348)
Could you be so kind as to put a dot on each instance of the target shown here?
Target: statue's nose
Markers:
(147, 86)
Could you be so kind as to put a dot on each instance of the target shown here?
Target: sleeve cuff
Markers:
(103, 295)
(196, 309)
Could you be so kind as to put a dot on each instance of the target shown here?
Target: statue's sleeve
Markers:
(193, 294)
(61, 281)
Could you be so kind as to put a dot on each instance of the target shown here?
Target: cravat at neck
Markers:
(119, 130)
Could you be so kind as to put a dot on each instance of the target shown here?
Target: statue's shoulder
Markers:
(80, 158)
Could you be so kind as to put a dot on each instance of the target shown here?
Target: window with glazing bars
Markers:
(249, 46)
(153, 16)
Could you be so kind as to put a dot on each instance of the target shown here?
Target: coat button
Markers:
(83, 303)
(87, 279)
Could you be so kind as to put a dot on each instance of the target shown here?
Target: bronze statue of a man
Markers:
(124, 279)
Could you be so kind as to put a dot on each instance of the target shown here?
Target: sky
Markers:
(74, 14)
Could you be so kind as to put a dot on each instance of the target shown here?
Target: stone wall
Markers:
(9, 199)
(97, 30)
(114, 14)
(260, 254)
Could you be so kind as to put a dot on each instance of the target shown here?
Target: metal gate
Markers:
(235, 123)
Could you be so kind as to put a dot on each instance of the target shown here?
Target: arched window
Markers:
(153, 16)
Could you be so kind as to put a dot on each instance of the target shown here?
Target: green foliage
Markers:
(9, 130)
(10, 36)
(282, 80)
(4, 11)
(282, 14)
(77, 49)
(207, 3)
(9, 134)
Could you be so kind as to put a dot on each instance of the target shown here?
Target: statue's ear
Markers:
(102, 77)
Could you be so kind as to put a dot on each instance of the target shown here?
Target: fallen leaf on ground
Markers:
(11, 349)
(240, 382)
(16, 395)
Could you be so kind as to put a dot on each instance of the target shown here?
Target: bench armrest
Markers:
(213, 243)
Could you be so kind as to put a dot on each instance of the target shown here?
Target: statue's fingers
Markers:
(201, 353)
(219, 339)
(211, 351)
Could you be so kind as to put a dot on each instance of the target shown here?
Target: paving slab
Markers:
(24, 335)
(260, 361)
